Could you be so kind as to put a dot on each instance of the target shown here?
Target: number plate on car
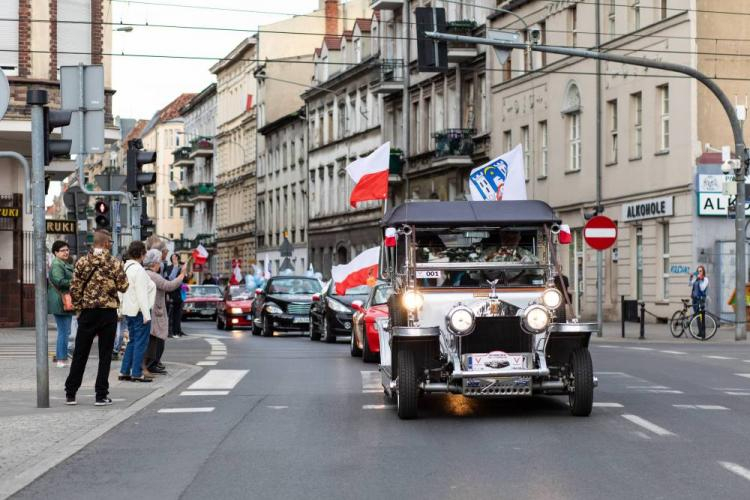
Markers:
(496, 360)
(301, 319)
(206, 313)
(430, 275)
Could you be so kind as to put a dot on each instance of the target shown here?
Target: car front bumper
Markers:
(289, 322)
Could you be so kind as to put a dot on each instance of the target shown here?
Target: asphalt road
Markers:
(296, 419)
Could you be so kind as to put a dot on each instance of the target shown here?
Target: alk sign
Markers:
(600, 232)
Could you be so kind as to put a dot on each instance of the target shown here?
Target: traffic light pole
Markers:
(741, 152)
(37, 99)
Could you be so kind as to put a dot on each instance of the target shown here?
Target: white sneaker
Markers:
(61, 364)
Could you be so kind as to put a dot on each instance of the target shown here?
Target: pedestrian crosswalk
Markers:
(19, 351)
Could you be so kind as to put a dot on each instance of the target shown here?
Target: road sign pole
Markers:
(599, 293)
(37, 99)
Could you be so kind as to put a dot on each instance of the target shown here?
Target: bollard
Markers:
(622, 315)
(643, 320)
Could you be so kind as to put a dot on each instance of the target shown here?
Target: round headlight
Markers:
(460, 321)
(412, 300)
(236, 310)
(552, 298)
(536, 318)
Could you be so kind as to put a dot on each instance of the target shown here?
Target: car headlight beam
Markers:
(236, 310)
(412, 300)
(273, 309)
(552, 298)
(536, 319)
(460, 321)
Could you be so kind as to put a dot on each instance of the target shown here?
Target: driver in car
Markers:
(509, 250)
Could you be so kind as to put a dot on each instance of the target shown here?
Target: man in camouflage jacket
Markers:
(96, 280)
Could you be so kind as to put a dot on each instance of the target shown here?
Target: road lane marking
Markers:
(206, 363)
(215, 358)
(607, 405)
(615, 374)
(701, 407)
(204, 393)
(277, 407)
(371, 379)
(664, 391)
(737, 469)
(746, 375)
(713, 356)
(641, 348)
(647, 387)
(673, 352)
(371, 391)
(649, 426)
(734, 393)
(219, 379)
(377, 407)
(610, 346)
(207, 409)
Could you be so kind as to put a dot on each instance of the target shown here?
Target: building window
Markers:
(612, 120)
(544, 148)
(507, 141)
(9, 37)
(636, 106)
(663, 92)
(636, 14)
(572, 26)
(526, 139)
(612, 19)
(665, 260)
(574, 141)
(428, 128)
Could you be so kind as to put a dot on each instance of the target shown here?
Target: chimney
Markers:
(332, 17)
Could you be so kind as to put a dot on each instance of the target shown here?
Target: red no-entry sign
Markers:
(600, 232)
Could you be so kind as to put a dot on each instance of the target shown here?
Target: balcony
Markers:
(201, 147)
(182, 198)
(386, 4)
(202, 192)
(186, 244)
(395, 165)
(182, 245)
(459, 52)
(207, 240)
(391, 77)
(454, 147)
(182, 157)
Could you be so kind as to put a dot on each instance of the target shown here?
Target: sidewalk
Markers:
(33, 440)
(658, 332)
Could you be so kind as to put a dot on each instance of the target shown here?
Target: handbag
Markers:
(67, 300)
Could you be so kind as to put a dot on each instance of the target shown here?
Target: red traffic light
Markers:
(101, 207)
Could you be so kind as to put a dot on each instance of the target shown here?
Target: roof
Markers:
(348, 34)
(332, 42)
(471, 213)
(168, 112)
(364, 24)
(202, 96)
(235, 54)
(135, 132)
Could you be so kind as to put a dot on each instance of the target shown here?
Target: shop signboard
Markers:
(650, 208)
(712, 200)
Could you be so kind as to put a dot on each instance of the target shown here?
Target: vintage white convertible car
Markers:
(478, 308)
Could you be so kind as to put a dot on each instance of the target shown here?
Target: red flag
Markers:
(564, 237)
(200, 255)
(370, 175)
(362, 270)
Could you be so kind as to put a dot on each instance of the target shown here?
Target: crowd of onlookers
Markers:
(135, 300)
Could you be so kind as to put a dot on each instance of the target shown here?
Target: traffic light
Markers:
(147, 227)
(432, 55)
(136, 178)
(102, 214)
(53, 148)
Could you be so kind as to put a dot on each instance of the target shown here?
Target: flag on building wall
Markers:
(362, 270)
(370, 175)
(500, 179)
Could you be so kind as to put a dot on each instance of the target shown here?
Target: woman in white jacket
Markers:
(136, 306)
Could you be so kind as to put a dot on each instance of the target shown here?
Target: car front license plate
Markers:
(301, 319)
(206, 313)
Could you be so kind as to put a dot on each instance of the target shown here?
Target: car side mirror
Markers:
(357, 305)
(315, 297)
(258, 292)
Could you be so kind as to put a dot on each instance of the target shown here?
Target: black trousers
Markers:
(93, 323)
(175, 318)
(154, 352)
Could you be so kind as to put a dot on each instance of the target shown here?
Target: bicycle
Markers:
(701, 325)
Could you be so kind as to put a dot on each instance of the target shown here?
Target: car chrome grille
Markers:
(298, 309)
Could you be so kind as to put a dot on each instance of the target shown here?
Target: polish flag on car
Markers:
(564, 236)
(370, 175)
(362, 270)
(200, 255)
(390, 236)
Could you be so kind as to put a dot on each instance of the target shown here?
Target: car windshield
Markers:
(356, 290)
(204, 291)
(381, 295)
(294, 286)
(240, 293)
(471, 245)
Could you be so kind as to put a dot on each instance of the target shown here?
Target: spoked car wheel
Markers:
(581, 386)
(330, 337)
(407, 387)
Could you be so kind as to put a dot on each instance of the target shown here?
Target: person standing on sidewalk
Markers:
(698, 288)
(174, 298)
(136, 307)
(96, 280)
(60, 276)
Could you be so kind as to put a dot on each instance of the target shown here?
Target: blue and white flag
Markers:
(500, 179)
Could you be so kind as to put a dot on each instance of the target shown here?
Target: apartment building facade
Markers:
(657, 182)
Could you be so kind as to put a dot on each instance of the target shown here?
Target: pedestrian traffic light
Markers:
(102, 214)
(136, 178)
(54, 148)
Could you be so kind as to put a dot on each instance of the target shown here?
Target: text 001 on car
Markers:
(236, 310)
(331, 313)
(283, 304)
(201, 301)
(475, 306)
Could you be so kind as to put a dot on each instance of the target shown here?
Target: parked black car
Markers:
(283, 304)
(331, 313)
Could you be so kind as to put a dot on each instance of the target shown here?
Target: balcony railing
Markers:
(182, 198)
(202, 147)
(396, 162)
(186, 244)
(391, 76)
(459, 51)
(454, 142)
(202, 191)
(182, 157)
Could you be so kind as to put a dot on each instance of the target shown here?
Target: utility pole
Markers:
(598, 209)
(406, 105)
(739, 142)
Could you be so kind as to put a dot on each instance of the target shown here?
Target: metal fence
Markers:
(28, 257)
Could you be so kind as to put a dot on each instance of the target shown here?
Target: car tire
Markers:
(353, 349)
(396, 311)
(581, 397)
(330, 337)
(220, 325)
(314, 334)
(367, 355)
(267, 326)
(407, 391)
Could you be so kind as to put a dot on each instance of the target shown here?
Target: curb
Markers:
(20, 481)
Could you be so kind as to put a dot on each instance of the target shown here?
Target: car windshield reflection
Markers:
(294, 286)
(204, 291)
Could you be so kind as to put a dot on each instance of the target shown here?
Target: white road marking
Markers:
(216, 349)
(371, 380)
(277, 407)
(737, 469)
(717, 357)
(208, 409)
(365, 391)
(206, 363)
(746, 360)
(219, 379)
(673, 352)
(610, 346)
(607, 405)
(204, 393)
(664, 391)
(216, 358)
(377, 407)
(641, 348)
(746, 375)
(646, 387)
(701, 407)
(614, 374)
(649, 426)
(733, 393)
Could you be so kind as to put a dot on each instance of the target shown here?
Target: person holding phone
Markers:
(698, 288)
(174, 298)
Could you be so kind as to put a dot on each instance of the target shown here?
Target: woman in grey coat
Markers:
(159, 318)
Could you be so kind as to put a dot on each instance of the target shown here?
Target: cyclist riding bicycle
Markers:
(698, 288)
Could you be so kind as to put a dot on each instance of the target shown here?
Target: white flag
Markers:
(500, 179)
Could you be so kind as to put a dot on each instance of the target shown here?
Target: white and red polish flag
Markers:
(200, 255)
(564, 237)
(390, 236)
(362, 270)
(370, 176)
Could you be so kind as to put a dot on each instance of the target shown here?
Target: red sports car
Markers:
(236, 310)
(201, 301)
(365, 339)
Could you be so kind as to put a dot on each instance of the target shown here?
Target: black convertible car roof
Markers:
(470, 213)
